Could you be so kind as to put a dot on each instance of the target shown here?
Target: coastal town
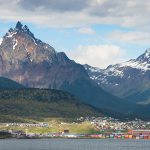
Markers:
(105, 127)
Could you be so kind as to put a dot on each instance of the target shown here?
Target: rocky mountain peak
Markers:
(19, 25)
(33, 63)
(19, 45)
(144, 58)
(21, 30)
(148, 51)
(62, 58)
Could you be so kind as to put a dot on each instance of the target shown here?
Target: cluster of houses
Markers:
(131, 134)
(27, 124)
(108, 123)
(107, 127)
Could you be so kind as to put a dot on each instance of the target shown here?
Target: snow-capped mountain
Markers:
(124, 79)
(33, 63)
(22, 42)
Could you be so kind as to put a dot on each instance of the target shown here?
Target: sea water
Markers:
(73, 144)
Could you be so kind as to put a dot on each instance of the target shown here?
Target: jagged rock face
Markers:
(33, 63)
(124, 79)
(19, 44)
(145, 59)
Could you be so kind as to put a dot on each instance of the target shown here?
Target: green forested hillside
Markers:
(7, 83)
(40, 104)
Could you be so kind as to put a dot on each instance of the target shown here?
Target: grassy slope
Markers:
(58, 126)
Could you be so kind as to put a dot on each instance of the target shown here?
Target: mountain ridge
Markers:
(9, 84)
(20, 60)
(125, 79)
(36, 64)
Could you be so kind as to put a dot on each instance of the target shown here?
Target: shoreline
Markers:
(37, 138)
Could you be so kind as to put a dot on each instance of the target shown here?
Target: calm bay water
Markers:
(64, 144)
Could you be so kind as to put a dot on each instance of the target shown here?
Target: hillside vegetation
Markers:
(23, 105)
(7, 83)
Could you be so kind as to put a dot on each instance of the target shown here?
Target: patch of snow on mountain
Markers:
(11, 34)
(15, 44)
(34, 41)
(135, 64)
(113, 71)
(94, 69)
(1, 40)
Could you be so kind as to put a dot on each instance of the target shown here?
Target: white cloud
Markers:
(77, 13)
(86, 30)
(130, 37)
(97, 55)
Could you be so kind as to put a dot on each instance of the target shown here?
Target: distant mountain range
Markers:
(35, 64)
(129, 80)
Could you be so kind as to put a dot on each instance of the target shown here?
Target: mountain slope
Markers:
(127, 80)
(117, 108)
(91, 94)
(33, 63)
(41, 104)
(142, 97)
(7, 83)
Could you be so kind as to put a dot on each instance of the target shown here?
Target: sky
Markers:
(94, 32)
